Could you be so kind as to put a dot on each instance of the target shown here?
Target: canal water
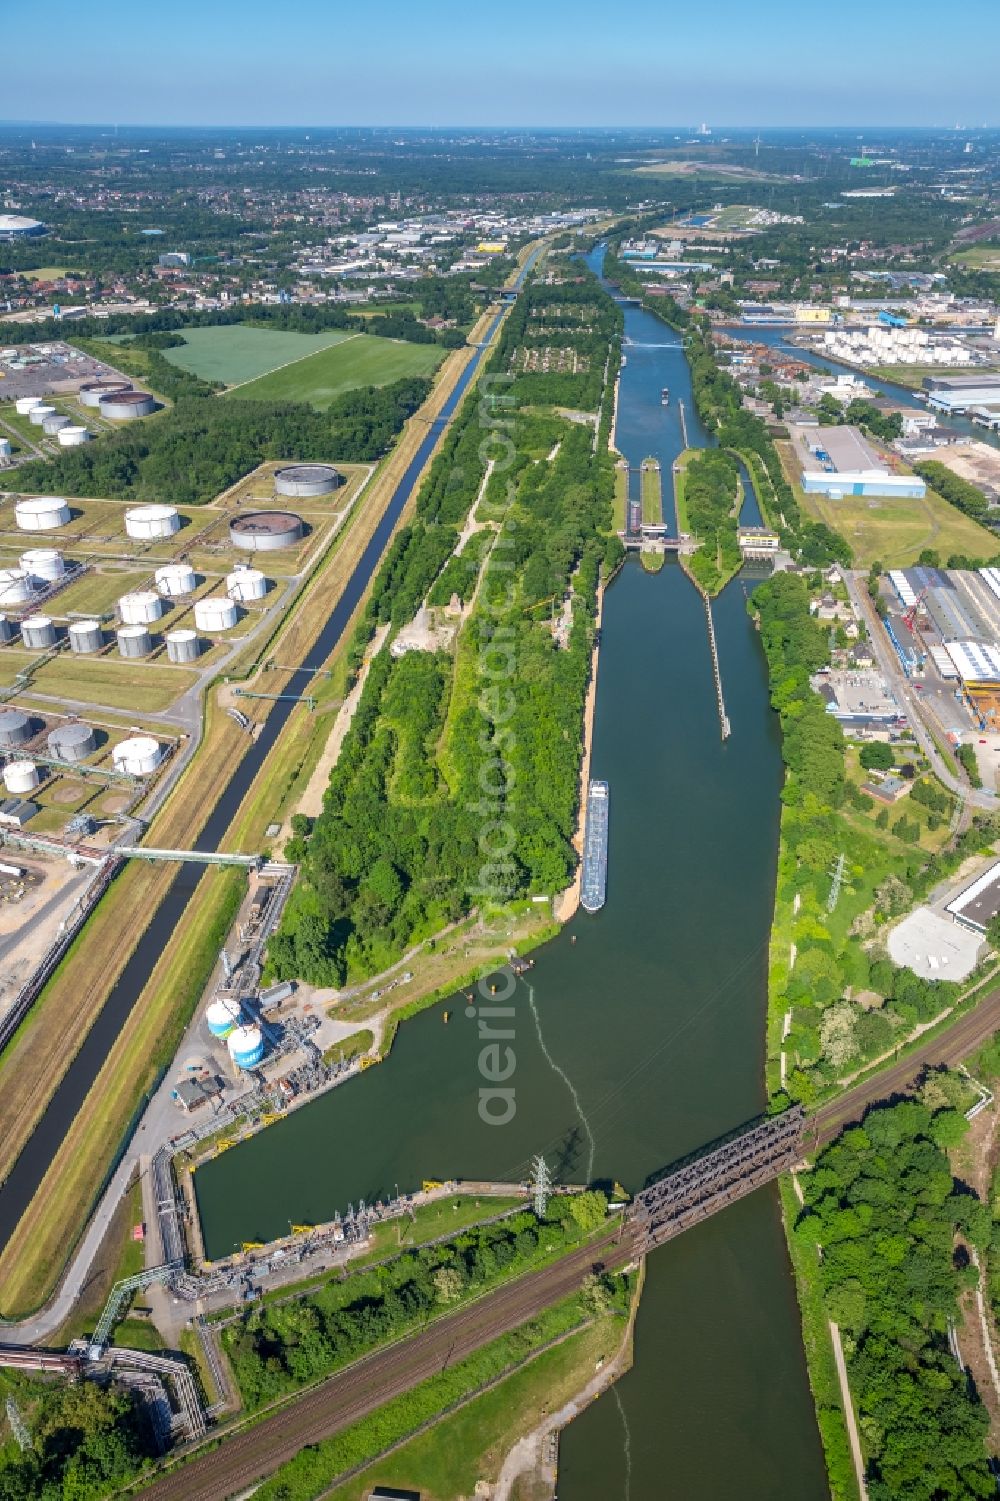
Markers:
(635, 1044)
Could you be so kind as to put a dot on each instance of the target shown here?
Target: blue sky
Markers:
(648, 62)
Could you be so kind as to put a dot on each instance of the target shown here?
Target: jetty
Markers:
(724, 724)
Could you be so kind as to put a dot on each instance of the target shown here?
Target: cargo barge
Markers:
(594, 880)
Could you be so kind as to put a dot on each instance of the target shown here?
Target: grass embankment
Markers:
(350, 1047)
(471, 1445)
(361, 360)
(680, 506)
(621, 496)
(819, 1353)
(58, 1023)
(652, 495)
(652, 559)
(893, 530)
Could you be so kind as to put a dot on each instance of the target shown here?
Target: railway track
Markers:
(251, 1455)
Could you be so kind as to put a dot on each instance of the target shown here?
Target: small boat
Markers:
(665, 396)
(447, 1017)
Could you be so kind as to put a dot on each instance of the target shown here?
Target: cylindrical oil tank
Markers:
(175, 579)
(85, 636)
(15, 727)
(137, 756)
(246, 583)
(246, 1046)
(38, 414)
(214, 614)
(223, 1017)
(306, 479)
(123, 406)
(134, 641)
(25, 404)
(266, 531)
(72, 437)
(6, 630)
(41, 513)
(56, 423)
(146, 523)
(43, 563)
(15, 586)
(72, 742)
(140, 608)
(6, 448)
(183, 646)
(90, 393)
(38, 632)
(20, 777)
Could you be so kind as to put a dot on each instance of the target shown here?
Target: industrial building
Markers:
(979, 903)
(839, 461)
(962, 393)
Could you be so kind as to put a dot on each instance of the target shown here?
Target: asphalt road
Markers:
(345, 1398)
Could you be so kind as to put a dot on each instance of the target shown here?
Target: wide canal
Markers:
(637, 1042)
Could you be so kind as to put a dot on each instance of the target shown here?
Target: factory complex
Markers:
(839, 461)
(946, 623)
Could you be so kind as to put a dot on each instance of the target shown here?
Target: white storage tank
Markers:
(183, 646)
(55, 424)
(134, 641)
(38, 633)
(266, 531)
(214, 614)
(85, 636)
(246, 1046)
(6, 448)
(123, 406)
(43, 563)
(72, 436)
(90, 393)
(137, 756)
(20, 777)
(146, 523)
(306, 479)
(25, 404)
(6, 630)
(15, 727)
(223, 1017)
(72, 742)
(41, 513)
(15, 586)
(38, 414)
(246, 583)
(140, 608)
(176, 579)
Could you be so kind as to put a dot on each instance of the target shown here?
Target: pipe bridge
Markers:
(199, 857)
(707, 1183)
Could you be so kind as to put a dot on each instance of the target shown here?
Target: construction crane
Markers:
(909, 619)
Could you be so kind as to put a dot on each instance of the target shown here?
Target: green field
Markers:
(983, 257)
(895, 530)
(363, 360)
(235, 352)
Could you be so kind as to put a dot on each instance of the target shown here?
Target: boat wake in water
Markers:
(553, 1065)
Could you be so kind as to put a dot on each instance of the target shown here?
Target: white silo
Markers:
(43, 563)
(25, 404)
(214, 614)
(147, 523)
(140, 608)
(38, 414)
(72, 742)
(137, 756)
(246, 1046)
(6, 448)
(222, 1016)
(246, 583)
(134, 641)
(15, 586)
(85, 636)
(183, 646)
(176, 579)
(41, 513)
(72, 437)
(20, 777)
(55, 424)
(38, 633)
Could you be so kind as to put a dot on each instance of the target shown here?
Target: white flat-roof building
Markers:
(862, 482)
